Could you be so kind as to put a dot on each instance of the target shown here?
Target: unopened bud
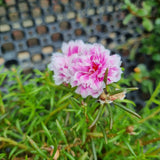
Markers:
(130, 129)
(103, 96)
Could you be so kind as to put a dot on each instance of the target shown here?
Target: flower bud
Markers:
(103, 96)
(130, 129)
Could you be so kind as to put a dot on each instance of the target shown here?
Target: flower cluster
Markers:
(84, 66)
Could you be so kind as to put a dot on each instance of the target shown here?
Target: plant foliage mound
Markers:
(40, 120)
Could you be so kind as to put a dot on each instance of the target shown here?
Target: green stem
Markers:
(104, 132)
(1, 105)
(97, 117)
(94, 150)
(110, 116)
(14, 143)
(19, 83)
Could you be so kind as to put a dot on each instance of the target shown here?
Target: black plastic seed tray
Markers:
(31, 30)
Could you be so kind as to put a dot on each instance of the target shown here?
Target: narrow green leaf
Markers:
(12, 152)
(13, 134)
(127, 109)
(3, 116)
(61, 107)
(47, 132)
(27, 77)
(2, 77)
(2, 108)
(36, 90)
(84, 156)
(94, 150)
(31, 115)
(61, 131)
(131, 89)
(34, 145)
(114, 139)
(64, 98)
(91, 109)
(104, 133)
(156, 101)
(100, 147)
(97, 117)
(110, 116)
(74, 99)
(78, 112)
(130, 148)
(69, 155)
(84, 133)
(74, 104)
(19, 127)
(32, 125)
(16, 154)
(70, 110)
(127, 101)
(80, 125)
(116, 91)
(38, 72)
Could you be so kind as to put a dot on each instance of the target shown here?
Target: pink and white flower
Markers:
(84, 66)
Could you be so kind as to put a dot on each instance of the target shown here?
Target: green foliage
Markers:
(143, 13)
(149, 12)
(39, 120)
